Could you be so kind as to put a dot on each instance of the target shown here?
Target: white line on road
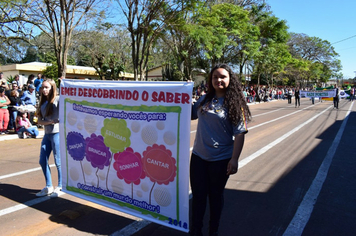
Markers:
(127, 230)
(282, 117)
(306, 207)
(132, 228)
(22, 172)
(26, 204)
(250, 158)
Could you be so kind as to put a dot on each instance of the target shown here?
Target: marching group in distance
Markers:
(263, 93)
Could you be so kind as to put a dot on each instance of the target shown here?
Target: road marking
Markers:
(129, 230)
(135, 227)
(26, 204)
(253, 156)
(23, 172)
(306, 207)
(266, 113)
(282, 117)
(132, 228)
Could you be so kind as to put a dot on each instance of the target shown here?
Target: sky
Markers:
(334, 21)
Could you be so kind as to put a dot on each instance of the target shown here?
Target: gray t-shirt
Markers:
(53, 128)
(214, 139)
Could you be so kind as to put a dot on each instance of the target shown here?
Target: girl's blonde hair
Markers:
(13, 93)
(50, 99)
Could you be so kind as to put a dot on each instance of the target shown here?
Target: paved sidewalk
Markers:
(15, 136)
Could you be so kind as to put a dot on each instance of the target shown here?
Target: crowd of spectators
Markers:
(255, 93)
(265, 93)
(15, 96)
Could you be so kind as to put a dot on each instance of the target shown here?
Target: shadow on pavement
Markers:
(246, 212)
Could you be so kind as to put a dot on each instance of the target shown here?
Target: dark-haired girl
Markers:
(222, 114)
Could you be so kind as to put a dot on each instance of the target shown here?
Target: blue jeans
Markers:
(13, 115)
(50, 142)
(32, 130)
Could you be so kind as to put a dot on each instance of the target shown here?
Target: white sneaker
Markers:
(45, 191)
(24, 136)
(56, 192)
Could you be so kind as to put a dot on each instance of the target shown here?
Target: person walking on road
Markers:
(289, 95)
(352, 94)
(336, 98)
(48, 115)
(297, 97)
(222, 114)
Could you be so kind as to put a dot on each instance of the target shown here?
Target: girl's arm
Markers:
(17, 122)
(47, 122)
(232, 166)
(5, 103)
(28, 123)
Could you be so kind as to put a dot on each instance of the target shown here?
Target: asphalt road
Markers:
(296, 177)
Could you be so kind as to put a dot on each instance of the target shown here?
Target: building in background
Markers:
(73, 72)
(155, 74)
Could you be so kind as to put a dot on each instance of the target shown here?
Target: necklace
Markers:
(215, 105)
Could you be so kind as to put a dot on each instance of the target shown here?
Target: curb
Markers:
(15, 136)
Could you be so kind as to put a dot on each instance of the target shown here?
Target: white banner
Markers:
(318, 93)
(126, 145)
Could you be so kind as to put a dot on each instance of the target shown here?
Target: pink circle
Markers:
(128, 165)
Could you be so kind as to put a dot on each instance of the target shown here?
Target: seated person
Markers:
(24, 127)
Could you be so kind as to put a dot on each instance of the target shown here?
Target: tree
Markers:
(14, 36)
(51, 70)
(272, 60)
(55, 18)
(242, 3)
(13, 21)
(58, 19)
(184, 41)
(145, 21)
(223, 32)
(171, 73)
(106, 47)
(13, 51)
(316, 50)
(272, 55)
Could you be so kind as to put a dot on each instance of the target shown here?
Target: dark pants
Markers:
(336, 102)
(207, 180)
(297, 100)
(13, 115)
(30, 116)
(289, 99)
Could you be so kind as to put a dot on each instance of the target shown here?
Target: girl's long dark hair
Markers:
(234, 101)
